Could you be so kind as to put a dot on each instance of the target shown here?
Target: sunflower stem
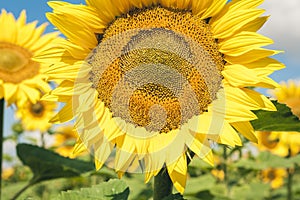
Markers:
(225, 157)
(163, 185)
(290, 183)
(43, 139)
(21, 191)
(290, 172)
(1, 140)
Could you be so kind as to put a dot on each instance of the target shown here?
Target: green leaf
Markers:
(250, 191)
(47, 165)
(263, 161)
(114, 189)
(198, 184)
(295, 159)
(281, 120)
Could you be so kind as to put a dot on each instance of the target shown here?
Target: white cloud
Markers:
(284, 26)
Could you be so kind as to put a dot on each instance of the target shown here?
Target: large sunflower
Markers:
(23, 56)
(150, 80)
(36, 116)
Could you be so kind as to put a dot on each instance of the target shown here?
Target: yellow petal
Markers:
(102, 152)
(246, 129)
(199, 7)
(64, 115)
(240, 76)
(228, 24)
(214, 8)
(178, 173)
(251, 56)
(9, 92)
(242, 43)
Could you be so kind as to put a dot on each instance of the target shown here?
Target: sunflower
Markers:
(23, 56)
(283, 143)
(289, 93)
(149, 81)
(274, 176)
(279, 143)
(64, 140)
(36, 116)
(7, 173)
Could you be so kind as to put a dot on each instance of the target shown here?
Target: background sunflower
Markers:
(36, 116)
(24, 54)
(283, 143)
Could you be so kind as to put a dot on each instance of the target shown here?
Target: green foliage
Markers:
(267, 160)
(112, 190)
(47, 165)
(250, 191)
(176, 196)
(281, 120)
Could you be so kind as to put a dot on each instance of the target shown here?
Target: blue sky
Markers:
(283, 27)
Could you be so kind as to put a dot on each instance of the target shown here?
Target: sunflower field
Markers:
(146, 100)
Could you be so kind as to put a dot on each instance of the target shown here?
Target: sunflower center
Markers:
(156, 68)
(271, 175)
(268, 141)
(37, 109)
(16, 64)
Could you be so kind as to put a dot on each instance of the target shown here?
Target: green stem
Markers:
(290, 172)
(162, 185)
(225, 164)
(225, 157)
(1, 140)
(21, 191)
(43, 139)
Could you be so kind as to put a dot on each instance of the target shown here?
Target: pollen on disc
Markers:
(157, 68)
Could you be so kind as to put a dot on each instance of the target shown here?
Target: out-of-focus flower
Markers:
(283, 143)
(7, 173)
(36, 116)
(274, 176)
(64, 140)
(154, 78)
(279, 143)
(24, 54)
(218, 173)
(289, 93)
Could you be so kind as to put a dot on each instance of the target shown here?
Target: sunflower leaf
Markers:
(114, 189)
(281, 120)
(47, 165)
(264, 160)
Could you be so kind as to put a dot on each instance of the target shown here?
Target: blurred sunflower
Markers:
(279, 143)
(23, 56)
(154, 78)
(274, 176)
(64, 140)
(7, 173)
(283, 143)
(36, 116)
(289, 93)
(218, 173)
